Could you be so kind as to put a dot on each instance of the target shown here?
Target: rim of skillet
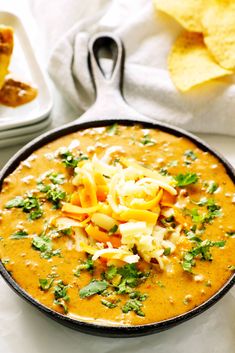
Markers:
(90, 327)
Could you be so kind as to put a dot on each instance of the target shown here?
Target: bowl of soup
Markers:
(118, 229)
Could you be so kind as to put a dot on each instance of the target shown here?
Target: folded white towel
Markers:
(148, 37)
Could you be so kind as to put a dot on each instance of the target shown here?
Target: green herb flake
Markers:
(17, 202)
(53, 194)
(167, 251)
(112, 129)
(87, 265)
(71, 161)
(231, 267)
(109, 304)
(29, 204)
(147, 141)
(190, 155)
(94, 287)
(186, 179)
(160, 284)
(56, 178)
(212, 187)
(45, 283)
(20, 234)
(44, 245)
(133, 305)
(230, 234)
(114, 229)
(164, 171)
(202, 250)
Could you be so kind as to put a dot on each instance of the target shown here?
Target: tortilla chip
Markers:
(191, 64)
(219, 32)
(187, 12)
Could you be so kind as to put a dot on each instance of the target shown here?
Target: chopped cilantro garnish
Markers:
(112, 129)
(167, 251)
(17, 202)
(163, 171)
(190, 155)
(147, 141)
(71, 161)
(202, 250)
(94, 287)
(53, 194)
(87, 265)
(108, 303)
(186, 179)
(212, 187)
(29, 204)
(45, 283)
(56, 178)
(160, 284)
(21, 234)
(44, 245)
(113, 229)
(133, 305)
(61, 296)
(230, 234)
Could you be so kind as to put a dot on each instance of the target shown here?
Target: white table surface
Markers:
(25, 330)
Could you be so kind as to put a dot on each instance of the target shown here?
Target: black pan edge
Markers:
(92, 328)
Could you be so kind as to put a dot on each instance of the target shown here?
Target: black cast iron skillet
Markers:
(108, 108)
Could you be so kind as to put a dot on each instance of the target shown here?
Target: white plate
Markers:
(7, 134)
(21, 139)
(24, 66)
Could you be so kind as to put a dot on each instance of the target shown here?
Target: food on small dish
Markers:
(6, 49)
(119, 225)
(13, 93)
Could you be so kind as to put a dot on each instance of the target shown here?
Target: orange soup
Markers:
(119, 225)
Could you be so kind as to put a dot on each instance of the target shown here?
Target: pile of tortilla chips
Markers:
(206, 50)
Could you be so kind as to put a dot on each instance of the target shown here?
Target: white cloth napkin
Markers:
(148, 37)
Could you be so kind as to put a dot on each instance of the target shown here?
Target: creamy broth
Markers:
(192, 270)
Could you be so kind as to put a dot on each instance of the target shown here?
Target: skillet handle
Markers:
(113, 46)
(109, 103)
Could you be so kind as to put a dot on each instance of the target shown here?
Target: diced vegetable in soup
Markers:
(119, 224)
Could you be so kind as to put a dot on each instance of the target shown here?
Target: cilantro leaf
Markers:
(109, 304)
(45, 283)
(147, 141)
(133, 305)
(230, 234)
(20, 234)
(61, 296)
(71, 161)
(53, 194)
(202, 250)
(94, 287)
(212, 187)
(112, 129)
(86, 265)
(190, 155)
(29, 204)
(186, 179)
(17, 202)
(44, 245)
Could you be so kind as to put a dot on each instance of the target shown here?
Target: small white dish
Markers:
(25, 66)
(12, 133)
(20, 139)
